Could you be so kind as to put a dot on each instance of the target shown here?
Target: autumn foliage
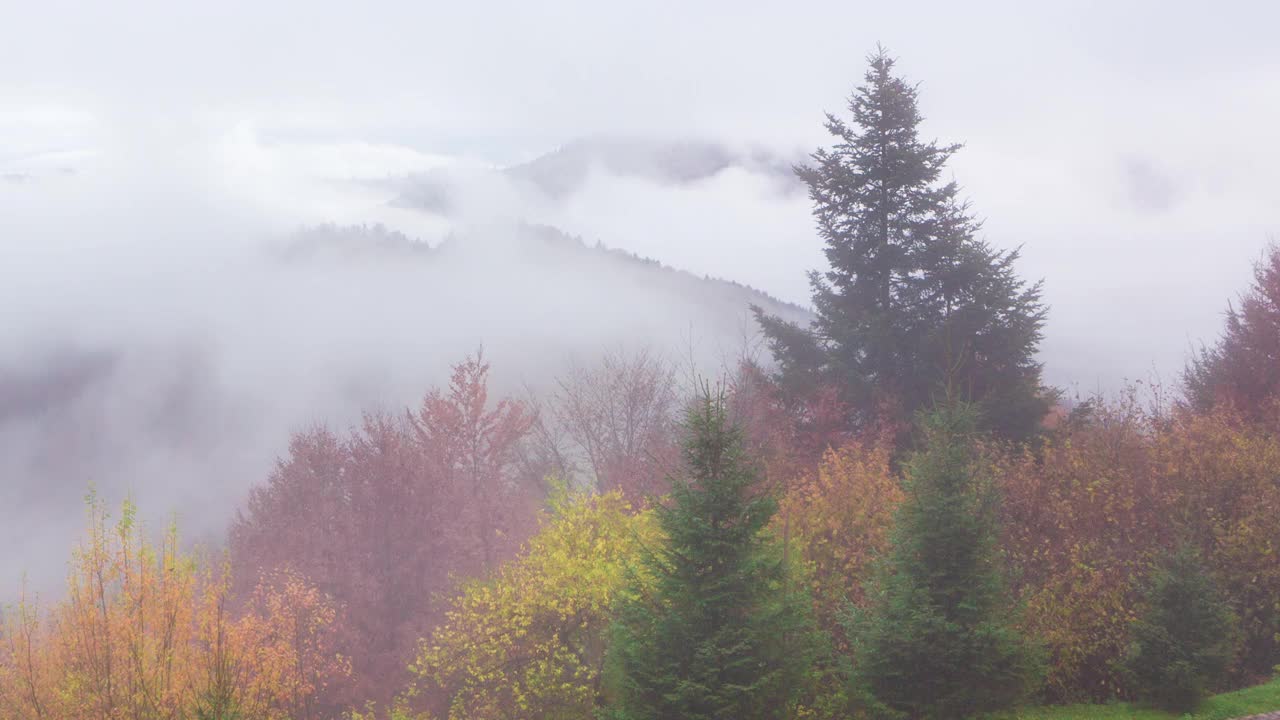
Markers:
(1242, 370)
(839, 518)
(386, 518)
(885, 515)
(530, 642)
(416, 567)
(1086, 516)
(787, 431)
(146, 632)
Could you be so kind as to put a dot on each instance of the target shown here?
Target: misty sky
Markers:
(1130, 150)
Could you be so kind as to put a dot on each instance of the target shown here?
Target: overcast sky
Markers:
(1128, 147)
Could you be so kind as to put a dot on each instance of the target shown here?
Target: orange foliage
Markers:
(1085, 515)
(144, 633)
(291, 651)
(1224, 474)
(839, 517)
(26, 689)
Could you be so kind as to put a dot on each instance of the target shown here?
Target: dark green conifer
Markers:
(723, 633)
(1185, 638)
(938, 639)
(913, 299)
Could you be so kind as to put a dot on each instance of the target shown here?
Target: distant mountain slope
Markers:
(186, 409)
(540, 246)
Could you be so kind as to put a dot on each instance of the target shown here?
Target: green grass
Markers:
(1240, 703)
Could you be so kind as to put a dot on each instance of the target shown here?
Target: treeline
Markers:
(891, 517)
(366, 533)
(1083, 518)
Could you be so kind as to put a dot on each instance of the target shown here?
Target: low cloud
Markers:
(162, 338)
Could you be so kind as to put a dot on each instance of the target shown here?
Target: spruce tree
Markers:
(1185, 638)
(938, 638)
(913, 301)
(722, 634)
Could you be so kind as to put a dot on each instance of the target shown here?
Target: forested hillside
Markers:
(522, 476)
(187, 410)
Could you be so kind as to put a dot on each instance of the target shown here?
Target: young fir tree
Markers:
(938, 639)
(913, 297)
(1185, 639)
(722, 633)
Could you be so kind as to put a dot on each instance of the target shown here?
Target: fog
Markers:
(156, 161)
(168, 324)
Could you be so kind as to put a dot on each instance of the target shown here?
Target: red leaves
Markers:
(1084, 516)
(386, 518)
(788, 435)
(472, 448)
(1243, 370)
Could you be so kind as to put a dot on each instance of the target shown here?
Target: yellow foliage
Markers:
(530, 642)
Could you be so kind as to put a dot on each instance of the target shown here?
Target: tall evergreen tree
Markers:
(938, 639)
(722, 634)
(914, 301)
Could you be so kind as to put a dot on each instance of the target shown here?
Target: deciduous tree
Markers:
(1242, 369)
(621, 417)
(387, 518)
(530, 641)
(144, 633)
(472, 446)
(839, 519)
(1093, 507)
